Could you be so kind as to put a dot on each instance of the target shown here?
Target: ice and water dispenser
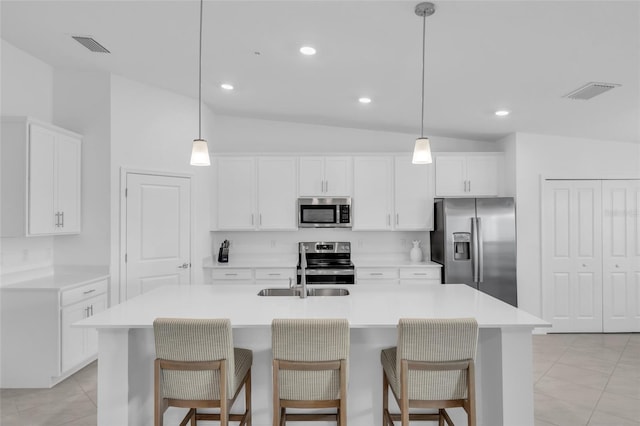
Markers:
(461, 245)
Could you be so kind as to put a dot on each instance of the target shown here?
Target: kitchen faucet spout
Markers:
(303, 270)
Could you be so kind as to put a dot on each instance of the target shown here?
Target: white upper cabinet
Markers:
(236, 193)
(325, 176)
(277, 193)
(467, 175)
(391, 193)
(413, 195)
(41, 166)
(373, 193)
(255, 193)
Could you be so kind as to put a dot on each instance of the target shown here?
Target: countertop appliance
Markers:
(474, 239)
(327, 263)
(324, 212)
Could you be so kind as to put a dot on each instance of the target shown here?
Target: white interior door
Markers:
(572, 255)
(621, 255)
(158, 232)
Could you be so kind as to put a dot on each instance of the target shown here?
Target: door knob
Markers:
(185, 266)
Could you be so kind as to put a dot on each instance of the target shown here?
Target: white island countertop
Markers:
(365, 306)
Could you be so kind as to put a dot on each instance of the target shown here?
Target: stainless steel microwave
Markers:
(324, 212)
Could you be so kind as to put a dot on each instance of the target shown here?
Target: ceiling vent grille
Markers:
(590, 90)
(91, 44)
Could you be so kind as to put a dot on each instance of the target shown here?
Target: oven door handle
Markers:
(329, 272)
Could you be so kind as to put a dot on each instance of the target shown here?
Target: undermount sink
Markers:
(297, 291)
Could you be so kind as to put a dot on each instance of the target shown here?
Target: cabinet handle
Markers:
(62, 216)
(397, 218)
(57, 219)
(86, 312)
(419, 273)
(375, 273)
(326, 186)
(274, 275)
(251, 218)
(260, 219)
(469, 185)
(89, 291)
(91, 310)
(388, 220)
(230, 275)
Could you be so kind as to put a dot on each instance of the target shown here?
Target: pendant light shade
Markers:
(422, 149)
(422, 152)
(199, 149)
(200, 153)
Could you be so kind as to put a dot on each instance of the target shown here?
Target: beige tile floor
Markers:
(580, 380)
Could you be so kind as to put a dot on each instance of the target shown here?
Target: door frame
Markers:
(122, 244)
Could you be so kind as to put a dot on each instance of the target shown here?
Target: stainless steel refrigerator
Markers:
(475, 241)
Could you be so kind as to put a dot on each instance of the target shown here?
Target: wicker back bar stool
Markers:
(197, 366)
(432, 367)
(310, 369)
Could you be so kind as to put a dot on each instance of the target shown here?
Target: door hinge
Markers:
(126, 192)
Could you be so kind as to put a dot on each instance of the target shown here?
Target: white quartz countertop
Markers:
(380, 263)
(60, 279)
(370, 306)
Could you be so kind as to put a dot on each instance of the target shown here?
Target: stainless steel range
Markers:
(327, 263)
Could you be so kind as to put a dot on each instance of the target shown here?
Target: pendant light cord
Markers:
(424, 24)
(200, 77)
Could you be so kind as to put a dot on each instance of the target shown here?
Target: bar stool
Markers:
(198, 367)
(310, 369)
(432, 367)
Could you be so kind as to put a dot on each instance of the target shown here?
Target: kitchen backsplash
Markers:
(22, 254)
(251, 244)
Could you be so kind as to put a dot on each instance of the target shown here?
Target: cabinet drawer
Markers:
(275, 274)
(419, 273)
(84, 292)
(231, 274)
(376, 273)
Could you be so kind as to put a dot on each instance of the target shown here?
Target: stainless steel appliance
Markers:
(326, 263)
(324, 212)
(475, 241)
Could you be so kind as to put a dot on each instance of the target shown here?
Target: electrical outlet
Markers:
(273, 243)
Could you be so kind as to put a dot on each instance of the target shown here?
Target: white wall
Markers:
(26, 85)
(237, 134)
(152, 129)
(547, 156)
(82, 104)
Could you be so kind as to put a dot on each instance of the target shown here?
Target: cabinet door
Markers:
(96, 305)
(68, 184)
(311, 176)
(482, 175)
(572, 255)
(73, 340)
(621, 255)
(372, 193)
(337, 176)
(413, 195)
(277, 193)
(450, 175)
(42, 213)
(236, 183)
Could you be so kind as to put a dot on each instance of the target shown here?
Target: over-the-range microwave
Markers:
(324, 212)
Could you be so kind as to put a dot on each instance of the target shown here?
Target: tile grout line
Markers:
(608, 380)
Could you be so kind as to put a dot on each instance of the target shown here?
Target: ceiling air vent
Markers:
(91, 44)
(590, 90)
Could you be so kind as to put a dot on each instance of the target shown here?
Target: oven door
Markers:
(328, 276)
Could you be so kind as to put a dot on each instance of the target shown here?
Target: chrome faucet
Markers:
(303, 270)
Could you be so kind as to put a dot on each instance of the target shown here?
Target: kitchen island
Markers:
(503, 364)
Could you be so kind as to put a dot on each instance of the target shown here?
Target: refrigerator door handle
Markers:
(480, 257)
(474, 249)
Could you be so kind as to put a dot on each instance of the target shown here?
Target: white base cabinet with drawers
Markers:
(425, 275)
(39, 345)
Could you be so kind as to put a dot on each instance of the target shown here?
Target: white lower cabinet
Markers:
(40, 347)
(232, 276)
(267, 277)
(403, 275)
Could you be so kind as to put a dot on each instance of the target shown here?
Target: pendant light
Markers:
(200, 150)
(422, 149)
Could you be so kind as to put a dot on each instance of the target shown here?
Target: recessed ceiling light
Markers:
(502, 113)
(364, 100)
(307, 50)
(226, 86)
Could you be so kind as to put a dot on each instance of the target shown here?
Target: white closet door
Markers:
(621, 255)
(572, 255)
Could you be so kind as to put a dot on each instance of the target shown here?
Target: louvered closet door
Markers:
(621, 255)
(572, 255)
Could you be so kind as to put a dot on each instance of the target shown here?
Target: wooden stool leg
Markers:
(247, 398)
(385, 398)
